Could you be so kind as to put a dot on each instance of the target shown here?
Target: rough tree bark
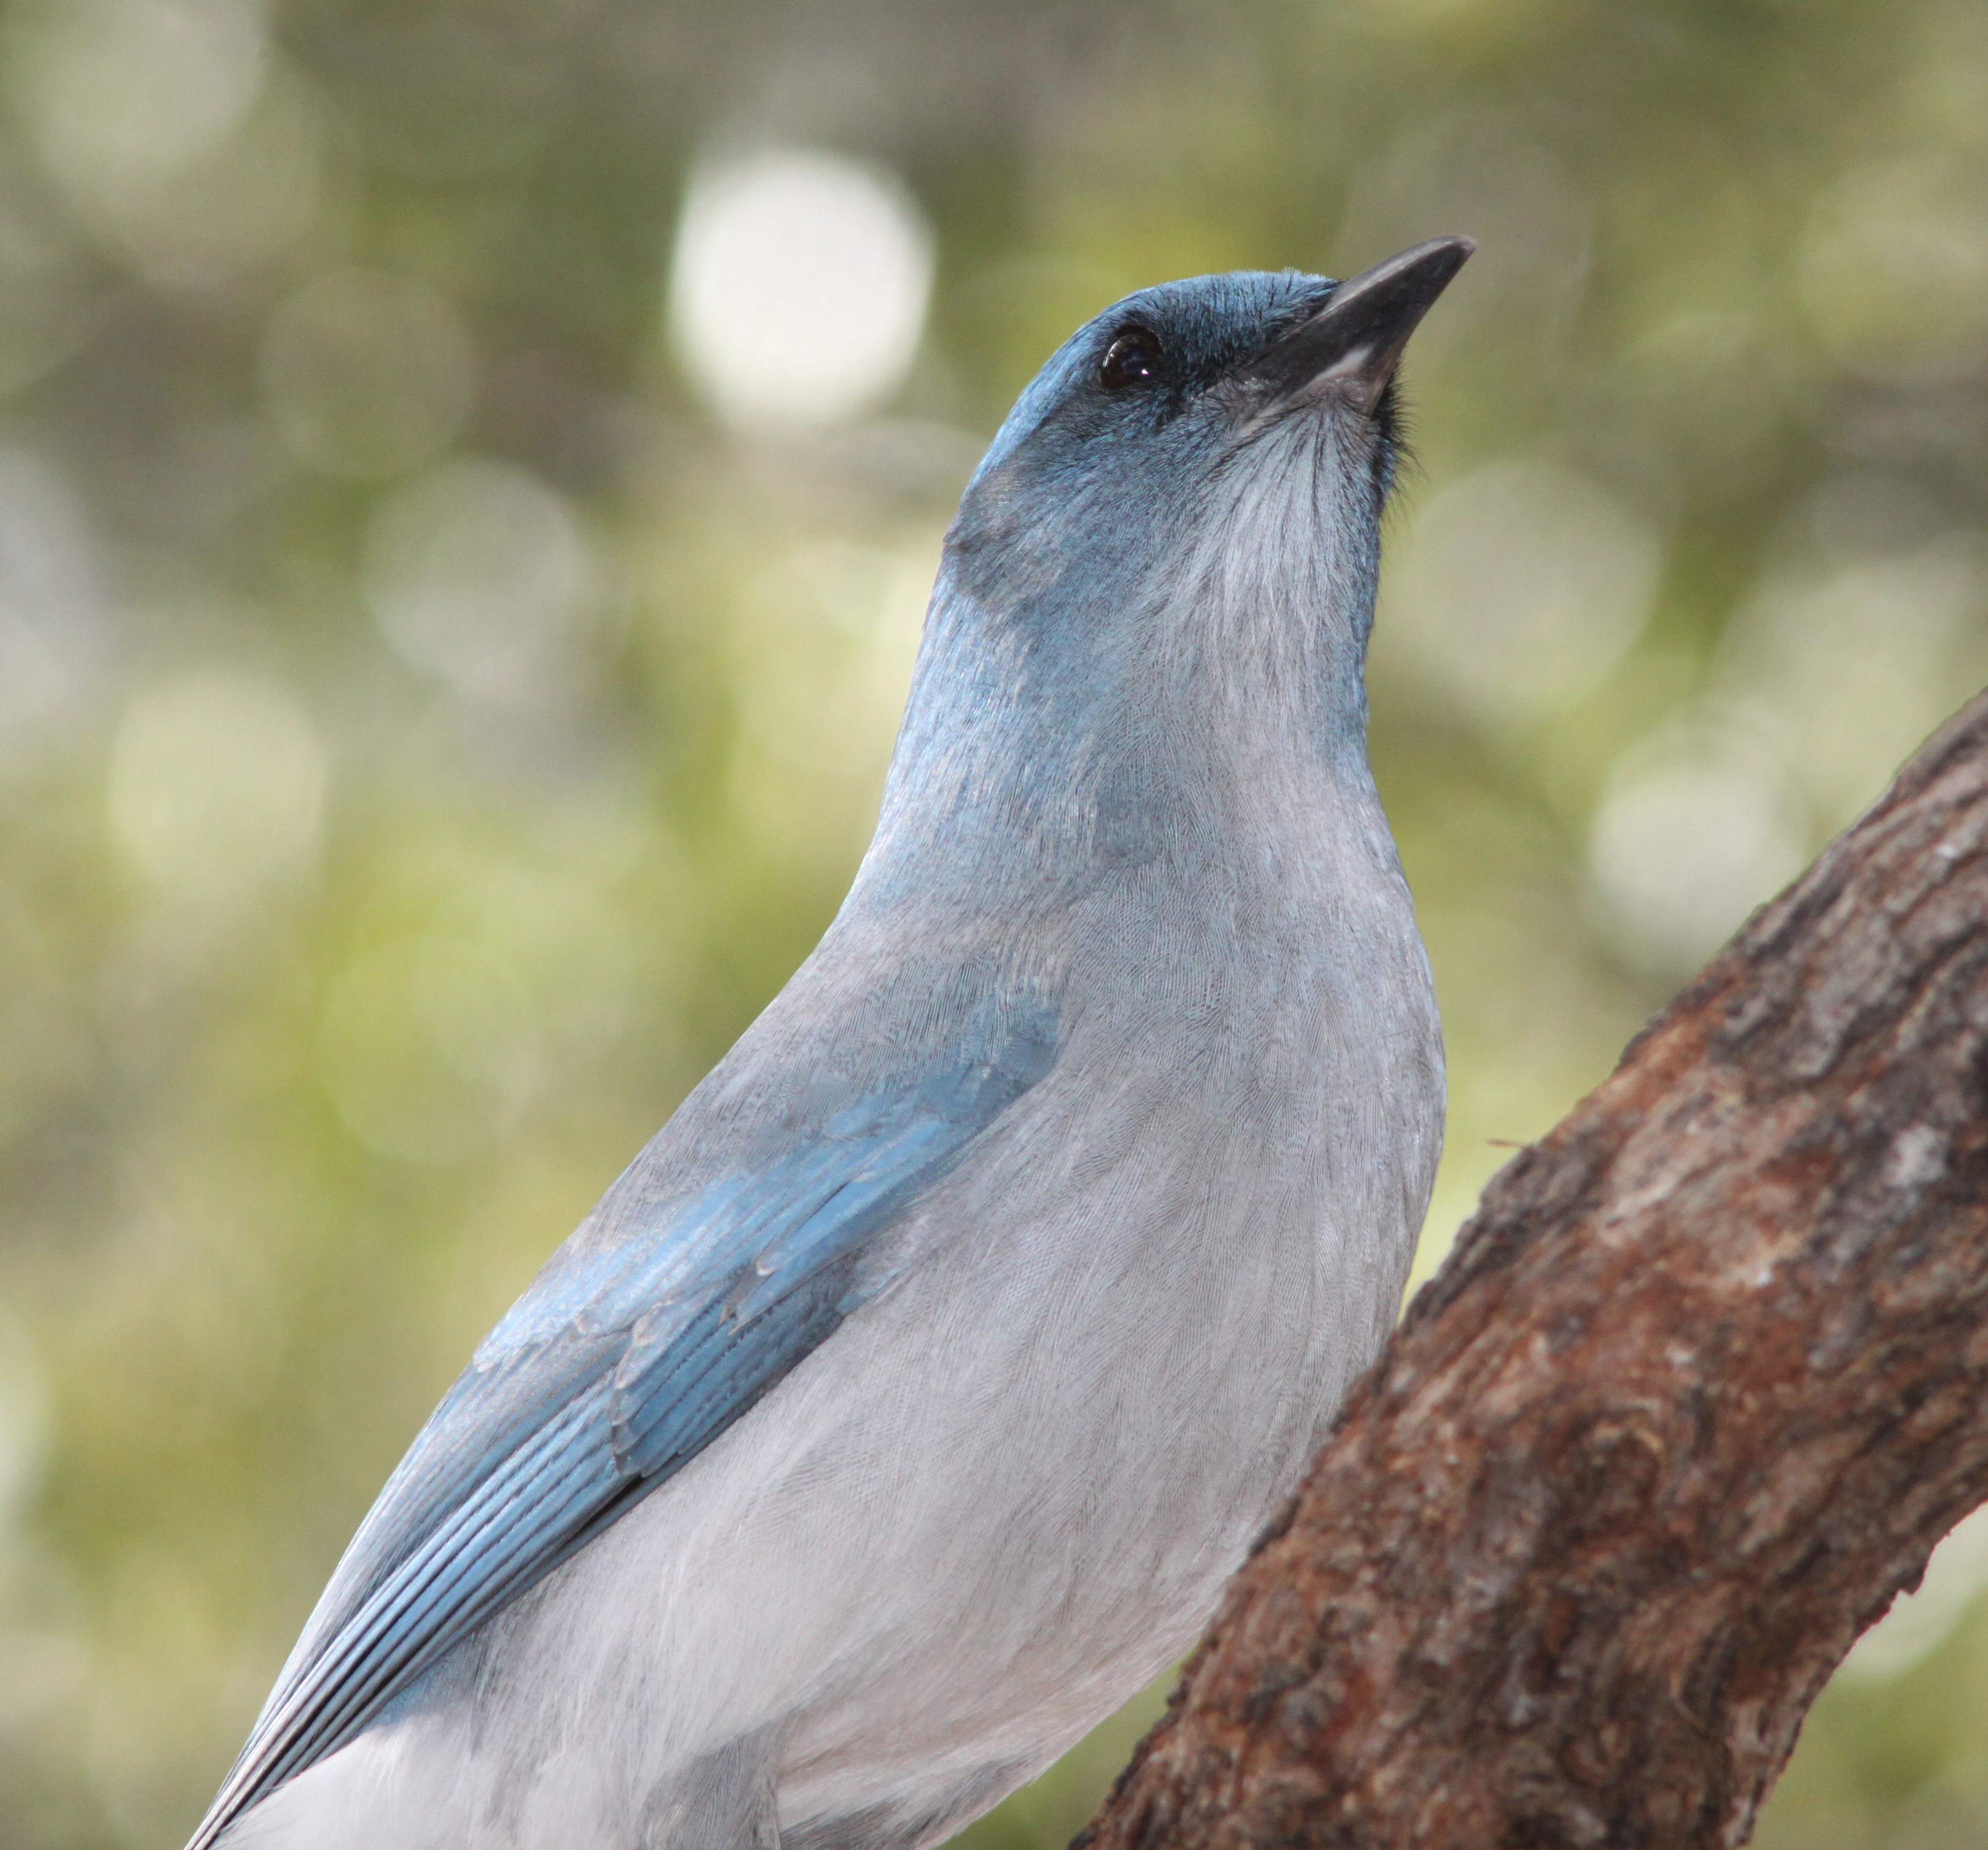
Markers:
(1704, 1381)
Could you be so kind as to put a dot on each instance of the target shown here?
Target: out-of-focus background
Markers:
(470, 470)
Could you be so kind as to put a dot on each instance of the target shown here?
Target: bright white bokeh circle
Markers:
(798, 287)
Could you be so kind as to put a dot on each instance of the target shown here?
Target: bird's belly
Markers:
(1002, 1499)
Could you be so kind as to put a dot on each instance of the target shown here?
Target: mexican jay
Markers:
(902, 1410)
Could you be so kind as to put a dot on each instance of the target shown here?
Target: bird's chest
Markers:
(1263, 1052)
(1212, 1200)
(1163, 1281)
(1258, 1118)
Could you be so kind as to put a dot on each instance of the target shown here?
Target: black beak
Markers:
(1351, 348)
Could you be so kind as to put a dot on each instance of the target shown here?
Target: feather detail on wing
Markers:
(613, 1370)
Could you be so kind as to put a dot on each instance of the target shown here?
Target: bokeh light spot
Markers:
(825, 644)
(217, 785)
(120, 93)
(1861, 660)
(1517, 589)
(1697, 827)
(479, 574)
(25, 1412)
(798, 287)
(198, 224)
(54, 631)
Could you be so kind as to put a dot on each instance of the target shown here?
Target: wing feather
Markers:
(611, 1372)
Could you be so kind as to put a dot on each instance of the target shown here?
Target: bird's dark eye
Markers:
(1133, 357)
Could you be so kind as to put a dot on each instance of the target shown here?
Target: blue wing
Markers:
(615, 1369)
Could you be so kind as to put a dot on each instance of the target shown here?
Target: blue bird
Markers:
(903, 1408)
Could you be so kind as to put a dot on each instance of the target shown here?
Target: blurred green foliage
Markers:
(429, 732)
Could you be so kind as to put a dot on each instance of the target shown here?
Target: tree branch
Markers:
(1703, 1382)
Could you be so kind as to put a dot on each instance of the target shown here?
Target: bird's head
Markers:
(1252, 409)
(1160, 579)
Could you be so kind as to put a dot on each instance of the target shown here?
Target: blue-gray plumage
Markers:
(901, 1409)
